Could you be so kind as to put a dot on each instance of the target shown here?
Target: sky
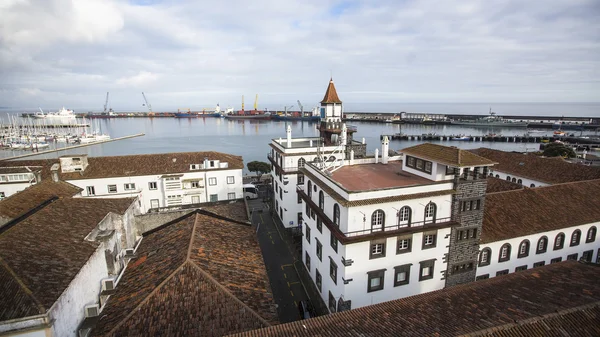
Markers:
(195, 54)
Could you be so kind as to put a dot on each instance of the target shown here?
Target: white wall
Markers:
(11, 188)
(525, 181)
(532, 258)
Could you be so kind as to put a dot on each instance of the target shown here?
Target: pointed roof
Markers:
(447, 155)
(331, 95)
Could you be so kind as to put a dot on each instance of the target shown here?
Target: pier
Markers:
(40, 125)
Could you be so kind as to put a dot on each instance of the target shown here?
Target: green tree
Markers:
(259, 167)
(558, 150)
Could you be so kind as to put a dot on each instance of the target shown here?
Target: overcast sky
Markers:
(199, 53)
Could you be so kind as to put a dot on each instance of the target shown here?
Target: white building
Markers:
(59, 264)
(17, 178)
(378, 229)
(531, 228)
(289, 155)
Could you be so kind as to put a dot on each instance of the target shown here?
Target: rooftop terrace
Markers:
(365, 177)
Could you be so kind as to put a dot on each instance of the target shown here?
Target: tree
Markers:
(558, 150)
(259, 167)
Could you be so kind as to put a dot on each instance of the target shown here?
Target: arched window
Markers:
(377, 220)
(559, 241)
(404, 215)
(309, 188)
(484, 257)
(321, 200)
(575, 237)
(491, 174)
(520, 182)
(336, 214)
(497, 176)
(430, 211)
(591, 235)
(301, 162)
(532, 185)
(504, 253)
(523, 249)
(542, 245)
(507, 178)
(514, 180)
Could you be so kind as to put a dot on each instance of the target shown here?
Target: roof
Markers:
(134, 165)
(331, 95)
(235, 210)
(367, 177)
(548, 170)
(447, 155)
(500, 185)
(494, 305)
(198, 275)
(542, 209)
(35, 195)
(18, 169)
(44, 252)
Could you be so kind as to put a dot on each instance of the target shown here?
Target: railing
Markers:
(397, 227)
(286, 169)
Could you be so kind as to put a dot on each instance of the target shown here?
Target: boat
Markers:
(62, 113)
(461, 138)
(491, 120)
(560, 133)
(313, 116)
(188, 114)
(252, 114)
(427, 121)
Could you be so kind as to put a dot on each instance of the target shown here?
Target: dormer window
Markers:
(195, 167)
(428, 166)
(410, 161)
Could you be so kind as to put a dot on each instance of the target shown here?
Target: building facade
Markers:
(18, 178)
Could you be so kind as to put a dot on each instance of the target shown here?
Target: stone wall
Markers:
(149, 221)
(360, 150)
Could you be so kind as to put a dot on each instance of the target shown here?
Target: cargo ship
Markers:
(313, 116)
(252, 114)
(491, 120)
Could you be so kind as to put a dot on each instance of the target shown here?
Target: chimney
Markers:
(38, 176)
(289, 136)
(344, 134)
(311, 143)
(363, 140)
(351, 157)
(385, 145)
(376, 156)
(206, 163)
(54, 170)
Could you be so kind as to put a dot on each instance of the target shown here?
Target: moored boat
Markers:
(490, 121)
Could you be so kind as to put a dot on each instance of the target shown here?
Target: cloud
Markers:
(188, 53)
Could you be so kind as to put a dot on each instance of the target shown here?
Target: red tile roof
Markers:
(447, 155)
(35, 195)
(474, 308)
(331, 95)
(534, 210)
(531, 166)
(500, 185)
(44, 252)
(200, 275)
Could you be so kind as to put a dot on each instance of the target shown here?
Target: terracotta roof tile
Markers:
(331, 95)
(47, 249)
(235, 210)
(466, 308)
(541, 209)
(447, 155)
(500, 185)
(35, 195)
(215, 282)
(548, 170)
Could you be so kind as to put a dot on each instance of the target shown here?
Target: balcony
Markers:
(287, 169)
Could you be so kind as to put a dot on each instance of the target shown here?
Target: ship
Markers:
(62, 113)
(491, 120)
(252, 114)
(313, 116)
(188, 114)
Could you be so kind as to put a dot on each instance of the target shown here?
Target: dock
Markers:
(50, 126)
(35, 153)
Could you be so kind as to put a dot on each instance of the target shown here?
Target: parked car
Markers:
(305, 310)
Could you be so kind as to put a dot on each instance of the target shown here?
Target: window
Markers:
(376, 279)
(377, 220)
(91, 190)
(410, 161)
(299, 198)
(429, 240)
(402, 275)
(404, 215)
(575, 237)
(520, 182)
(231, 196)
(514, 180)
(307, 209)
(318, 279)
(572, 257)
(230, 179)
(307, 261)
(507, 178)
(502, 272)
(319, 225)
(532, 185)
(428, 166)
(319, 249)
(521, 268)
(504, 253)
(542, 245)
(307, 233)
(497, 176)
(280, 193)
(539, 264)
(212, 181)
(333, 270)
(587, 255)
(482, 277)
(214, 197)
(559, 241)
(404, 244)
(462, 267)
(300, 179)
(377, 249)
(556, 260)
(523, 249)
(309, 189)
(129, 186)
(152, 185)
(430, 210)
(336, 214)
(484, 257)
(195, 184)
(419, 165)
(321, 200)
(449, 171)
(112, 188)
(591, 235)
(333, 242)
(301, 162)
(426, 270)
(331, 303)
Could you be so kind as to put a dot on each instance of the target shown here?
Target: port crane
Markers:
(256, 102)
(106, 103)
(301, 108)
(150, 112)
(242, 103)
